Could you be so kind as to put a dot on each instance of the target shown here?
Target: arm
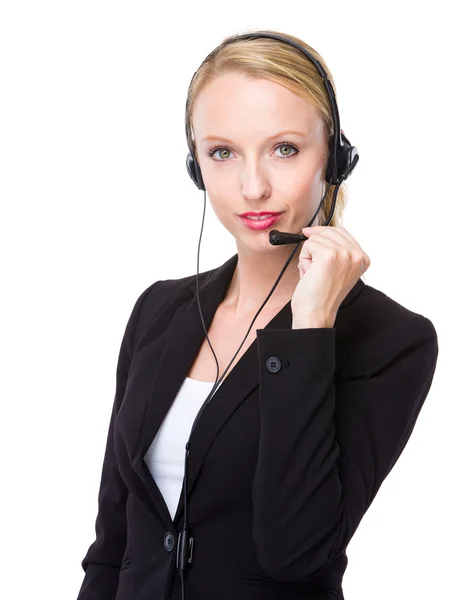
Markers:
(327, 442)
(103, 558)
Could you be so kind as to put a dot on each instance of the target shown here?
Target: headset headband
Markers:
(340, 149)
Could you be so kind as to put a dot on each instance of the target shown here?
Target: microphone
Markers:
(277, 238)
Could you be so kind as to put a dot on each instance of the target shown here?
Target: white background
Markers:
(97, 204)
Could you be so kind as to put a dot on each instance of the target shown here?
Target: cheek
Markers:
(297, 187)
(224, 205)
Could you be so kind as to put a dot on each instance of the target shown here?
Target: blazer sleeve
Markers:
(327, 440)
(104, 556)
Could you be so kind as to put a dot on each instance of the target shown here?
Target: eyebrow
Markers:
(222, 139)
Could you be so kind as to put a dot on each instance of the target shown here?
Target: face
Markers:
(254, 161)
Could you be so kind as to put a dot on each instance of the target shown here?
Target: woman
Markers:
(317, 405)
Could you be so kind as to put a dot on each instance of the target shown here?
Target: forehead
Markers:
(234, 102)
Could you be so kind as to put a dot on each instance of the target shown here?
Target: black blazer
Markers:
(284, 462)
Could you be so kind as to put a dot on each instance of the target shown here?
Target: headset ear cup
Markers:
(352, 160)
(330, 164)
(193, 169)
(351, 157)
(346, 158)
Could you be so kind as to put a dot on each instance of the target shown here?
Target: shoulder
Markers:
(167, 291)
(162, 298)
(375, 305)
(375, 320)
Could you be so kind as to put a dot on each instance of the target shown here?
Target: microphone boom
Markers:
(277, 238)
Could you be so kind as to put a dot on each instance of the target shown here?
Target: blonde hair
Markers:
(277, 61)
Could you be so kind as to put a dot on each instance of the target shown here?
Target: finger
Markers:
(314, 247)
(353, 246)
(329, 241)
(341, 236)
(333, 232)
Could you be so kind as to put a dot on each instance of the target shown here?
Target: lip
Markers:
(261, 213)
(261, 223)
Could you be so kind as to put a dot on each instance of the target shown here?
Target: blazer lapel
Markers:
(173, 360)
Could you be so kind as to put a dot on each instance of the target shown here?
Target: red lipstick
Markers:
(262, 223)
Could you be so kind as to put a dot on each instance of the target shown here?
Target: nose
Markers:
(254, 182)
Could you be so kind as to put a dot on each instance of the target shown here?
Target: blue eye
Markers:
(281, 145)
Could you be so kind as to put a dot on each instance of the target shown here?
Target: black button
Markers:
(168, 542)
(273, 364)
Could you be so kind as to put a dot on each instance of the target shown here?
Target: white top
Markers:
(166, 455)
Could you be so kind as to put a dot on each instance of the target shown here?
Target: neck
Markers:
(254, 277)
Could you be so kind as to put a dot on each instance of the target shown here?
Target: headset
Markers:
(342, 159)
